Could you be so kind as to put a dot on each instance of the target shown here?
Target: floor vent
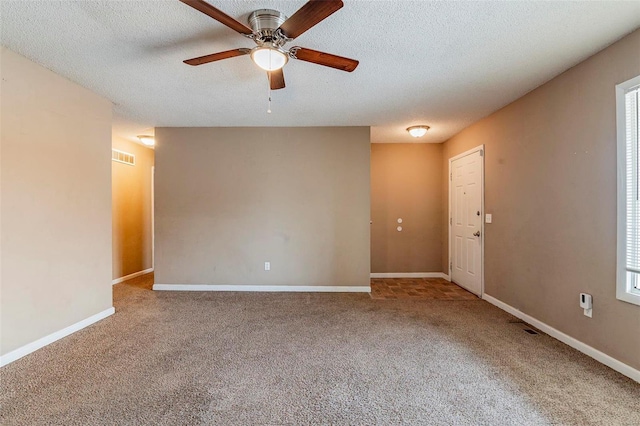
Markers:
(528, 330)
(123, 157)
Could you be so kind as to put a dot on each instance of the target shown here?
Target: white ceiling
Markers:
(445, 64)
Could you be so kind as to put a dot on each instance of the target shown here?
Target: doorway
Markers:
(466, 224)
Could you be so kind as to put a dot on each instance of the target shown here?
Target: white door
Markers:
(466, 221)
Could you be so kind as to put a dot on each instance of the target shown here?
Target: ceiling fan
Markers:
(271, 30)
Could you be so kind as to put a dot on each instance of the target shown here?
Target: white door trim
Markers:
(153, 217)
(480, 149)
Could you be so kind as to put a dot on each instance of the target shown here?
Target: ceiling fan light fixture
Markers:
(269, 58)
(418, 131)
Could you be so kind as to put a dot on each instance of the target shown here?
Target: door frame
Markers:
(153, 217)
(482, 151)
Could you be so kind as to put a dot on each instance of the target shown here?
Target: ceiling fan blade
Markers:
(218, 15)
(276, 79)
(326, 59)
(309, 15)
(217, 56)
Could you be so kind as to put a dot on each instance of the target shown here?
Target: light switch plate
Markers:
(488, 218)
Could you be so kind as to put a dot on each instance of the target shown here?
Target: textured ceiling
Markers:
(445, 64)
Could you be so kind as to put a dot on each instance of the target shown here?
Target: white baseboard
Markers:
(410, 275)
(128, 277)
(605, 359)
(266, 288)
(47, 340)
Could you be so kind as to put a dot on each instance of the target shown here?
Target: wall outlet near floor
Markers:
(267, 266)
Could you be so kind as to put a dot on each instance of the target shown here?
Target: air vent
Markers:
(123, 157)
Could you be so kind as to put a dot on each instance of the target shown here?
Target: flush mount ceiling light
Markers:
(269, 58)
(147, 140)
(418, 131)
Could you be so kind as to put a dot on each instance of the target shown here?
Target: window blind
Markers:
(632, 124)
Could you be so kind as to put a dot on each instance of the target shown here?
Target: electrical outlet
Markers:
(586, 303)
(267, 266)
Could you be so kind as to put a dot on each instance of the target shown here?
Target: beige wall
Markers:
(131, 206)
(56, 202)
(551, 187)
(406, 182)
(229, 199)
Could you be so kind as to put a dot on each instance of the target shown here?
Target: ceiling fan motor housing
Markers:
(264, 23)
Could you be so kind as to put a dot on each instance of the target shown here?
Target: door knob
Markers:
(476, 234)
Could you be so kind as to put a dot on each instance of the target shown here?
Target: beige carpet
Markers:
(271, 359)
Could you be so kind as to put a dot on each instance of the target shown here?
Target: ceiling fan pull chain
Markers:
(269, 107)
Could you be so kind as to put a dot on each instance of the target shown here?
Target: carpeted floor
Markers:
(177, 358)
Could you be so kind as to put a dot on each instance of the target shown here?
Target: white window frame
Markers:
(624, 289)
